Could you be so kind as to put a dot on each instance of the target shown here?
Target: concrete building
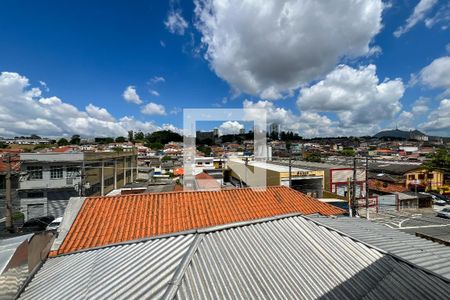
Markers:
(52, 178)
(336, 177)
(253, 173)
(274, 128)
(425, 180)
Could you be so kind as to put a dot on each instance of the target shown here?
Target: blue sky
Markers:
(90, 52)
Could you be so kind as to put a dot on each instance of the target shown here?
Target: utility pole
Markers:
(349, 198)
(290, 167)
(354, 187)
(367, 188)
(9, 213)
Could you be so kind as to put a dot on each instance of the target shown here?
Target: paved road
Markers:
(424, 222)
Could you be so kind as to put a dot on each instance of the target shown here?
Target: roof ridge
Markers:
(198, 231)
(180, 271)
(189, 191)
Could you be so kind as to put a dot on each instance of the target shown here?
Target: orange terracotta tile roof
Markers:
(206, 182)
(378, 185)
(107, 220)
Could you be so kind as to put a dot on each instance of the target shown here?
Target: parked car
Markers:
(54, 224)
(444, 213)
(37, 224)
(439, 202)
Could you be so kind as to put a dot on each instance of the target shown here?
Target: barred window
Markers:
(34, 172)
(56, 172)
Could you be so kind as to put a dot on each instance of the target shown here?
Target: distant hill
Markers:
(402, 134)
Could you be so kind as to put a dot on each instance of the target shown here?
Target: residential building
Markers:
(336, 177)
(94, 221)
(423, 179)
(254, 173)
(274, 129)
(52, 178)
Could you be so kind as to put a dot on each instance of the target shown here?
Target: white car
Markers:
(54, 224)
(445, 213)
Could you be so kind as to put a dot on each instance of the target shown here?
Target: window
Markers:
(34, 172)
(421, 176)
(412, 177)
(35, 195)
(56, 172)
(430, 175)
(73, 172)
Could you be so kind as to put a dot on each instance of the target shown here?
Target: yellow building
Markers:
(426, 180)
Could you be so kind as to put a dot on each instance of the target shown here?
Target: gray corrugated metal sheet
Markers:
(296, 259)
(290, 258)
(131, 271)
(13, 265)
(8, 248)
(427, 254)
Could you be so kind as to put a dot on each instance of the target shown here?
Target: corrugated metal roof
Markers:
(290, 258)
(424, 253)
(13, 265)
(8, 248)
(294, 258)
(108, 220)
(129, 271)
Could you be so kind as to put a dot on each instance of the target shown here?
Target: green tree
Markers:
(139, 136)
(439, 160)
(117, 149)
(166, 158)
(130, 136)
(120, 139)
(75, 140)
(3, 145)
(63, 142)
(348, 152)
(155, 146)
(163, 137)
(205, 149)
(312, 156)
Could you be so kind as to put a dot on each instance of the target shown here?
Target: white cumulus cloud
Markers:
(419, 14)
(437, 74)
(130, 95)
(230, 127)
(153, 109)
(356, 95)
(99, 113)
(23, 111)
(439, 120)
(270, 47)
(420, 106)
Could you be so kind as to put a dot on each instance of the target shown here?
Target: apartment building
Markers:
(50, 179)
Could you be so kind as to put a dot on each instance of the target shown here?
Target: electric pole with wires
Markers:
(354, 188)
(9, 208)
